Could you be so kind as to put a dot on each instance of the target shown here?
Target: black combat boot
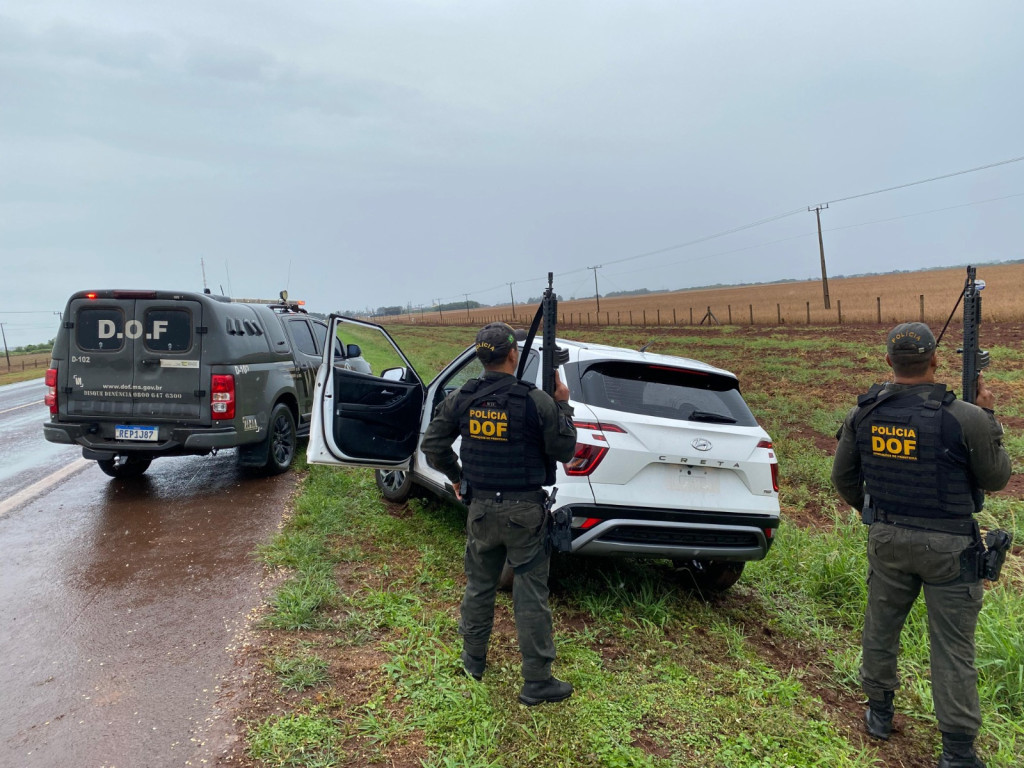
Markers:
(878, 716)
(958, 752)
(474, 666)
(539, 691)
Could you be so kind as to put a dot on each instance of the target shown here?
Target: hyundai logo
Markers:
(701, 444)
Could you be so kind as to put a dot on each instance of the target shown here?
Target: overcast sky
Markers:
(394, 153)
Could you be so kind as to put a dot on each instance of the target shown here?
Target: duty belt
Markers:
(962, 526)
(537, 496)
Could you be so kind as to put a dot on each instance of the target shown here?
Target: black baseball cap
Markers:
(494, 341)
(909, 341)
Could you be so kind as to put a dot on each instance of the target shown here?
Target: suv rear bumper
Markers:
(180, 440)
(676, 534)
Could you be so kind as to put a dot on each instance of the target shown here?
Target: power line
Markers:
(809, 234)
(925, 181)
(769, 219)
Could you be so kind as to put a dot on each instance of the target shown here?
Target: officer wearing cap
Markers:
(916, 462)
(512, 435)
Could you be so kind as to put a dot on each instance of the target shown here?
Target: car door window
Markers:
(377, 352)
(304, 341)
(319, 335)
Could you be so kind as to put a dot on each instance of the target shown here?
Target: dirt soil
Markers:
(356, 670)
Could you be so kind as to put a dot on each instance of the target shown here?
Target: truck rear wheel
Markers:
(125, 466)
(281, 440)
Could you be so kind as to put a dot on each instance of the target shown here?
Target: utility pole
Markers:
(467, 307)
(513, 300)
(6, 353)
(597, 295)
(821, 249)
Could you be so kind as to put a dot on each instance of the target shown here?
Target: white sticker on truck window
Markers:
(164, 363)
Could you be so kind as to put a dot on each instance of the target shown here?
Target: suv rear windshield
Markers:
(670, 393)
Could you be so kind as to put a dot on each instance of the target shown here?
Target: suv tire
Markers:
(281, 440)
(395, 485)
(125, 466)
(709, 575)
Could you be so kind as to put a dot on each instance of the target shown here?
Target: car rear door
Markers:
(97, 381)
(167, 383)
(360, 419)
(684, 436)
(134, 357)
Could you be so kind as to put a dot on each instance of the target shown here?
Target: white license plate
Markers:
(698, 480)
(135, 433)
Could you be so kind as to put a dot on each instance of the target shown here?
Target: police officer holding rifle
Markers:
(916, 462)
(512, 435)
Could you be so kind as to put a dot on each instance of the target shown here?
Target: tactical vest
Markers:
(502, 449)
(907, 468)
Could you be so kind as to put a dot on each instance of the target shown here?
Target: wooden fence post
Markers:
(878, 301)
(730, 314)
(922, 307)
(631, 317)
(778, 312)
(839, 308)
(751, 306)
(645, 318)
(674, 316)
(808, 313)
(659, 317)
(691, 315)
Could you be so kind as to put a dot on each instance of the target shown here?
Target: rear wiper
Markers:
(716, 418)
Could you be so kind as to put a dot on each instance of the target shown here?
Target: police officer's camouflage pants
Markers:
(900, 562)
(511, 530)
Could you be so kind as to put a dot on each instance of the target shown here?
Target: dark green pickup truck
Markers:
(139, 374)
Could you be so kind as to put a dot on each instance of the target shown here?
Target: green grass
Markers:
(663, 677)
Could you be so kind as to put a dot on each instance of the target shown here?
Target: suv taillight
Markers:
(222, 396)
(585, 460)
(51, 390)
(774, 464)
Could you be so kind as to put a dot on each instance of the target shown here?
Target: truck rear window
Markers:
(671, 393)
(100, 329)
(168, 330)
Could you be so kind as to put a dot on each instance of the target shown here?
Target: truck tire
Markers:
(125, 466)
(281, 440)
(709, 575)
(394, 484)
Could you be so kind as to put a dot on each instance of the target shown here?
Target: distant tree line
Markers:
(29, 349)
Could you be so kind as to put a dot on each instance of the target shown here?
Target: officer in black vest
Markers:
(512, 435)
(916, 462)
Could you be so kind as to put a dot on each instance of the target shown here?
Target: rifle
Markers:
(974, 358)
(552, 356)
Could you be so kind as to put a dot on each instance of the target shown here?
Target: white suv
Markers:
(670, 462)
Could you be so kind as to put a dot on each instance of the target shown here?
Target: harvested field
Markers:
(882, 299)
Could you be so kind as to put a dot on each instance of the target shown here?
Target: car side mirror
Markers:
(393, 374)
(353, 350)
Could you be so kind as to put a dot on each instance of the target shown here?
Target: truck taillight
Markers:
(585, 460)
(51, 390)
(222, 396)
(774, 464)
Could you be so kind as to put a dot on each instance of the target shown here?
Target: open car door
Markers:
(365, 419)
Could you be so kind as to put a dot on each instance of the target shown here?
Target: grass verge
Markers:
(361, 648)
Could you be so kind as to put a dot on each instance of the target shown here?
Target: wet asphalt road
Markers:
(123, 603)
